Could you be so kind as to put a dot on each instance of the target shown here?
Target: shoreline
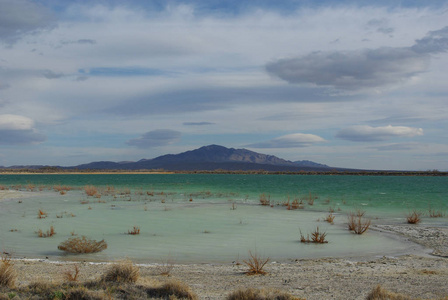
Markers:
(416, 274)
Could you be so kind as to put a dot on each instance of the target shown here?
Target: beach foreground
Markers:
(416, 275)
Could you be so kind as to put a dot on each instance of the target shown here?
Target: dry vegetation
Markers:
(379, 293)
(260, 294)
(41, 214)
(49, 232)
(316, 237)
(265, 200)
(256, 264)
(330, 218)
(7, 273)
(71, 276)
(357, 223)
(135, 230)
(82, 245)
(90, 190)
(414, 217)
(124, 272)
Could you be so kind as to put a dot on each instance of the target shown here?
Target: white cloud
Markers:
(295, 140)
(365, 133)
(18, 130)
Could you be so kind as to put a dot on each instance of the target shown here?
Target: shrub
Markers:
(49, 232)
(72, 276)
(330, 218)
(82, 245)
(414, 217)
(90, 190)
(260, 294)
(7, 273)
(172, 290)
(256, 264)
(316, 237)
(357, 223)
(41, 214)
(436, 214)
(134, 231)
(124, 272)
(265, 200)
(379, 293)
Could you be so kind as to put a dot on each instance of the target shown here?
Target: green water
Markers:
(223, 220)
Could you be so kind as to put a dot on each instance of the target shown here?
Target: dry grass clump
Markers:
(265, 200)
(134, 231)
(90, 190)
(260, 294)
(378, 293)
(41, 214)
(172, 290)
(71, 276)
(436, 213)
(414, 217)
(330, 218)
(256, 264)
(357, 223)
(124, 272)
(49, 232)
(82, 245)
(316, 237)
(7, 273)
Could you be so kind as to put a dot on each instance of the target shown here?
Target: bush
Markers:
(260, 294)
(316, 237)
(124, 272)
(172, 288)
(82, 245)
(7, 273)
(414, 217)
(256, 264)
(357, 224)
(379, 293)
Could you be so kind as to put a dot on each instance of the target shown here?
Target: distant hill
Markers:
(209, 158)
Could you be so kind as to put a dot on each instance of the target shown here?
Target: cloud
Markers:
(365, 133)
(434, 42)
(52, 75)
(395, 147)
(21, 17)
(351, 70)
(18, 130)
(295, 140)
(362, 69)
(156, 138)
(197, 123)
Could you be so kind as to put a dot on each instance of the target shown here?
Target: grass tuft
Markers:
(260, 294)
(71, 276)
(82, 245)
(357, 223)
(256, 264)
(134, 231)
(90, 190)
(414, 217)
(124, 272)
(7, 273)
(378, 293)
(172, 290)
(49, 232)
(316, 237)
(41, 214)
(330, 218)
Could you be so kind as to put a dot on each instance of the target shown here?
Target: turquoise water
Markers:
(221, 223)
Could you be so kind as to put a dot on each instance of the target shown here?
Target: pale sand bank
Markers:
(416, 275)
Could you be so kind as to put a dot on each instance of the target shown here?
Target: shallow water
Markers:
(221, 223)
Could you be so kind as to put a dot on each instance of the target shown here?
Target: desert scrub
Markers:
(330, 219)
(317, 237)
(171, 290)
(49, 232)
(414, 217)
(260, 294)
(265, 200)
(124, 272)
(90, 190)
(82, 245)
(357, 223)
(134, 231)
(379, 293)
(256, 264)
(7, 273)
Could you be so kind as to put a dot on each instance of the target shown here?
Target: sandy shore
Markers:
(420, 275)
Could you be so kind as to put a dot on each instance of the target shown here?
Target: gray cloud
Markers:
(156, 138)
(365, 133)
(434, 42)
(4, 86)
(20, 17)
(395, 147)
(361, 69)
(351, 70)
(295, 140)
(52, 75)
(21, 137)
(197, 123)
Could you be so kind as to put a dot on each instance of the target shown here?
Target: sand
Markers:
(422, 273)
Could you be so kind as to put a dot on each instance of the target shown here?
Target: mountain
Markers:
(209, 158)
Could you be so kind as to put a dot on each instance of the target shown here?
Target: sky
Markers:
(354, 84)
